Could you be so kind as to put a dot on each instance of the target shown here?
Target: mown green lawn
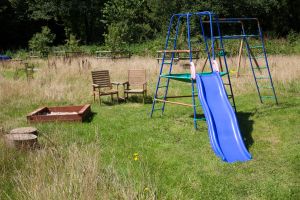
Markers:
(165, 158)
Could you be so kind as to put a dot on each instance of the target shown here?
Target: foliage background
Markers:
(128, 21)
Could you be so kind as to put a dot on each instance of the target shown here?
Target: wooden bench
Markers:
(177, 55)
(112, 54)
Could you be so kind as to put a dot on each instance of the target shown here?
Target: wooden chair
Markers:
(102, 85)
(136, 84)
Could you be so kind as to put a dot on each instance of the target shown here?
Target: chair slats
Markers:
(101, 78)
(136, 78)
(103, 86)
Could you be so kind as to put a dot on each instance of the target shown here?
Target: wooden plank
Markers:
(178, 51)
(181, 96)
(173, 102)
(239, 58)
(175, 51)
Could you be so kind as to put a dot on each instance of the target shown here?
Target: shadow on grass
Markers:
(111, 103)
(89, 118)
(246, 127)
(131, 99)
(245, 124)
(139, 99)
(198, 116)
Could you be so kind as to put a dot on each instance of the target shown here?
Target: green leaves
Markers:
(40, 41)
(116, 22)
(128, 21)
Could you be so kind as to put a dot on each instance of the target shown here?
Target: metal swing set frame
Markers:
(213, 42)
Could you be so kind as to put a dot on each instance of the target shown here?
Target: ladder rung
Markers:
(267, 97)
(265, 87)
(157, 109)
(256, 47)
(168, 63)
(262, 77)
(263, 67)
(174, 102)
(162, 86)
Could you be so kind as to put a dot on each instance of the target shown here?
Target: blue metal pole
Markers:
(171, 66)
(225, 61)
(189, 36)
(162, 65)
(212, 36)
(191, 59)
(205, 41)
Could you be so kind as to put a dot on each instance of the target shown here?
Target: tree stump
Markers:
(21, 141)
(24, 130)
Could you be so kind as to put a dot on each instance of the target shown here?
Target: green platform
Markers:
(186, 77)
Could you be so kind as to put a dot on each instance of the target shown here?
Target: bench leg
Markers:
(143, 97)
(100, 98)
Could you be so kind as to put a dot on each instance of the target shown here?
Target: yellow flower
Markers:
(135, 156)
(146, 189)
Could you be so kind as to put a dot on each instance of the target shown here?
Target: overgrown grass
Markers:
(123, 154)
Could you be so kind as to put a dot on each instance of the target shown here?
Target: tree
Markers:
(82, 18)
(129, 20)
(40, 41)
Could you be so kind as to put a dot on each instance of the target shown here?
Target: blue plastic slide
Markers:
(223, 129)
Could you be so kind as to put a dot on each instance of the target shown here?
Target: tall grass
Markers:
(72, 173)
(94, 160)
(70, 80)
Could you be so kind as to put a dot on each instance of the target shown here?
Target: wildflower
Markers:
(135, 156)
(232, 71)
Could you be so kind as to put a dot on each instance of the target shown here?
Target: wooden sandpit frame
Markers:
(62, 113)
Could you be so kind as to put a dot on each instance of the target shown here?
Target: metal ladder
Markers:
(166, 62)
(257, 56)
